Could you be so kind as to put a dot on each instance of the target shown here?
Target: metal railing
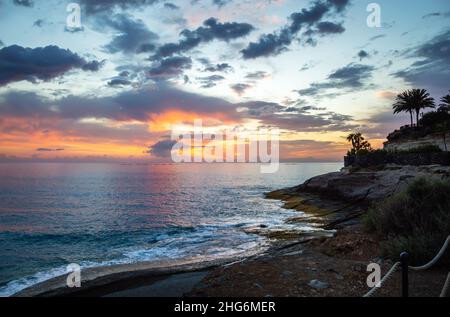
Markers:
(403, 263)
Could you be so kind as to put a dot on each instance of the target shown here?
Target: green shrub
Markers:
(416, 220)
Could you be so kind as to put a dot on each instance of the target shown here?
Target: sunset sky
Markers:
(114, 87)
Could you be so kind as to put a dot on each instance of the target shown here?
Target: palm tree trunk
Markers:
(410, 113)
(417, 117)
(445, 142)
(445, 139)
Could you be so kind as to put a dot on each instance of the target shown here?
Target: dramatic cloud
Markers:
(273, 114)
(42, 63)
(170, 67)
(139, 105)
(431, 70)
(351, 77)
(133, 35)
(307, 19)
(211, 30)
(144, 105)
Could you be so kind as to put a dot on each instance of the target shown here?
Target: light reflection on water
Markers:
(52, 214)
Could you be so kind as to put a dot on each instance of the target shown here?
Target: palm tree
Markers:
(359, 143)
(444, 109)
(403, 104)
(445, 105)
(420, 99)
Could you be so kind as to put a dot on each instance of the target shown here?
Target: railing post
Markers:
(404, 259)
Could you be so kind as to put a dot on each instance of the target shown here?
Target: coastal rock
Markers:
(336, 200)
(353, 185)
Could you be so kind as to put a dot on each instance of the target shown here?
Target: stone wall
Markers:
(382, 158)
(436, 139)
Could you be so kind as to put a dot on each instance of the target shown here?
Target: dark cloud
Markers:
(349, 78)
(2, 44)
(133, 35)
(307, 19)
(24, 3)
(97, 6)
(145, 48)
(330, 28)
(431, 69)
(93, 66)
(170, 67)
(211, 30)
(210, 81)
(42, 63)
(363, 54)
(240, 88)
(171, 6)
(118, 82)
(311, 108)
(273, 114)
(162, 149)
(137, 105)
(224, 67)
(141, 105)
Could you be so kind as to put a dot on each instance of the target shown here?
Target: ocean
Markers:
(100, 214)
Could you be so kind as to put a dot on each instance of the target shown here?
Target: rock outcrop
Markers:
(343, 196)
(370, 185)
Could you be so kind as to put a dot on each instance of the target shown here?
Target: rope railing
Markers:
(405, 268)
(383, 280)
(434, 261)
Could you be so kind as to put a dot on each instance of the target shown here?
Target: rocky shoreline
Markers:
(330, 262)
(328, 266)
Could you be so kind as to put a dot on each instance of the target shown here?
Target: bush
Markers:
(416, 220)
